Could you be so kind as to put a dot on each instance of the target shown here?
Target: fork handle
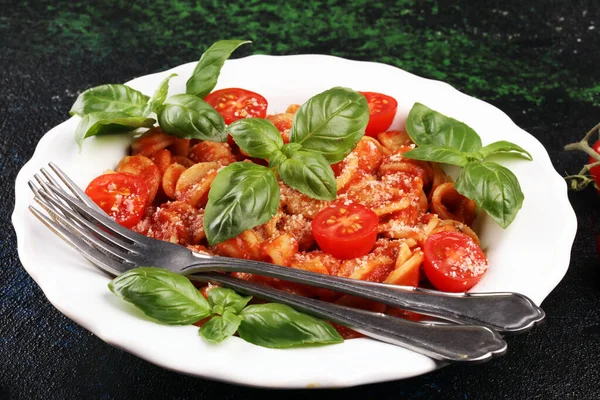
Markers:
(503, 312)
(450, 343)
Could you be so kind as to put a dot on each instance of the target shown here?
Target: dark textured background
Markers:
(537, 61)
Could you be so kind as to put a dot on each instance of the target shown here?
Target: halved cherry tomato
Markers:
(122, 196)
(382, 110)
(235, 103)
(595, 172)
(345, 231)
(453, 261)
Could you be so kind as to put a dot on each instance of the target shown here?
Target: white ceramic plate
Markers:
(530, 257)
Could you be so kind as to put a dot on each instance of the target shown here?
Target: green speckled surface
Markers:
(493, 53)
(537, 61)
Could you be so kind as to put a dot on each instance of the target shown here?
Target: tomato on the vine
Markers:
(453, 261)
(382, 110)
(345, 231)
(595, 172)
(122, 196)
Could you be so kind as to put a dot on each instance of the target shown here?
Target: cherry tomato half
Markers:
(122, 196)
(453, 261)
(345, 231)
(235, 103)
(595, 172)
(382, 110)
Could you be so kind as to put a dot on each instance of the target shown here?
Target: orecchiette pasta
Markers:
(449, 204)
(146, 169)
(194, 183)
(412, 200)
(151, 141)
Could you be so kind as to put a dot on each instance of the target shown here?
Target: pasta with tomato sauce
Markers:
(414, 226)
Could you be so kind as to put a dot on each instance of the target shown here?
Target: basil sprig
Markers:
(108, 109)
(107, 122)
(493, 187)
(309, 173)
(446, 155)
(267, 325)
(220, 327)
(222, 299)
(256, 136)
(331, 123)
(245, 195)
(110, 98)
(279, 326)
(167, 297)
(172, 299)
(159, 97)
(205, 75)
(503, 147)
(190, 117)
(428, 127)
(116, 108)
(226, 306)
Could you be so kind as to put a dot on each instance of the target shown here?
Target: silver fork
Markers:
(504, 312)
(446, 343)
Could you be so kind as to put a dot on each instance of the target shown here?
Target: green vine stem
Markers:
(582, 179)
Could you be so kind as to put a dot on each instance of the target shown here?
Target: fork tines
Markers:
(86, 228)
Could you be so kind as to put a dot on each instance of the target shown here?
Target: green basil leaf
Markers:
(219, 328)
(504, 147)
(288, 150)
(434, 153)
(428, 127)
(331, 123)
(494, 188)
(242, 196)
(205, 75)
(190, 117)
(256, 136)
(309, 173)
(276, 158)
(279, 326)
(168, 297)
(102, 123)
(159, 96)
(110, 98)
(223, 299)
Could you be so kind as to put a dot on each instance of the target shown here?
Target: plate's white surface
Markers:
(530, 257)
